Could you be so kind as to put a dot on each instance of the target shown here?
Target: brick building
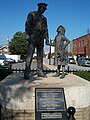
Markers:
(81, 46)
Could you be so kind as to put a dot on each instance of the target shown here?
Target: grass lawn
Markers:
(83, 74)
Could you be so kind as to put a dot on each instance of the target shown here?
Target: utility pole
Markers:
(8, 39)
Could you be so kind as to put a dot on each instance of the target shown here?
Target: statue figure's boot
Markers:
(26, 74)
(63, 74)
(40, 73)
(57, 74)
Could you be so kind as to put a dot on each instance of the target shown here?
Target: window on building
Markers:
(75, 44)
(87, 42)
(79, 43)
(82, 42)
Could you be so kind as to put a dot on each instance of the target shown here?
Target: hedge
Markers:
(4, 72)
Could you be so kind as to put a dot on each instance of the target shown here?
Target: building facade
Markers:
(81, 46)
(4, 49)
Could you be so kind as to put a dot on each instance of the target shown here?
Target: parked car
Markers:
(80, 61)
(71, 60)
(8, 61)
(84, 61)
(2, 58)
(1, 61)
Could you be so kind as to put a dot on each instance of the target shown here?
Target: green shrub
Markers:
(4, 72)
(83, 74)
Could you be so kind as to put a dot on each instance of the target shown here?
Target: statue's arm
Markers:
(54, 42)
(67, 42)
(46, 35)
(28, 24)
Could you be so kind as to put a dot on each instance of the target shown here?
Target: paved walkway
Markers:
(49, 66)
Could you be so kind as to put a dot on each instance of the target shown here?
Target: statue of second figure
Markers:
(61, 43)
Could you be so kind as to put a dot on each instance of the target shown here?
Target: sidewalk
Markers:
(49, 66)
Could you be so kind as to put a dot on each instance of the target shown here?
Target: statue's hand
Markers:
(47, 42)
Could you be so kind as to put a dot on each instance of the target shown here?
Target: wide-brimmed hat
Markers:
(44, 5)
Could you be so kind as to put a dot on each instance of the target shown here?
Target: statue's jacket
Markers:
(36, 26)
(61, 43)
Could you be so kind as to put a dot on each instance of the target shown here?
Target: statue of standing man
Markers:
(36, 30)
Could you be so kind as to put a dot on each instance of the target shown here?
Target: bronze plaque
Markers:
(50, 103)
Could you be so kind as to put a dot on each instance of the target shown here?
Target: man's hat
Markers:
(44, 5)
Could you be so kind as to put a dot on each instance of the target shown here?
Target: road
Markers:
(71, 66)
(22, 65)
(76, 67)
(34, 66)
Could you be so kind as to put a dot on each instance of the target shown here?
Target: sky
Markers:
(74, 15)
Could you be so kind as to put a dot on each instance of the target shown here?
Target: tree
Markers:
(18, 44)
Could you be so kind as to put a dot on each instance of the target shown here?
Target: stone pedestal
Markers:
(17, 95)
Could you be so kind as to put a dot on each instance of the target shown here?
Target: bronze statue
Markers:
(36, 30)
(60, 48)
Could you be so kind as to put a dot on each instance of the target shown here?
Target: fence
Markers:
(68, 70)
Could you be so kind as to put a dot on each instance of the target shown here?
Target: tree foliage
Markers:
(18, 44)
